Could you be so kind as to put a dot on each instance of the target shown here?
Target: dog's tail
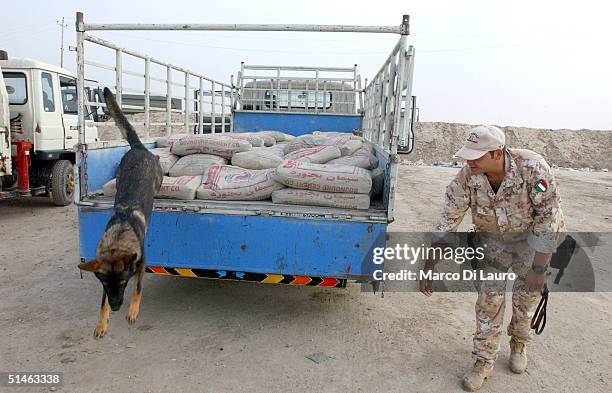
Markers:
(124, 125)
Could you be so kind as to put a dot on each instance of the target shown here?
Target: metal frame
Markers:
(343, 88)
(187, 98)
(401, 29)
(387, 118)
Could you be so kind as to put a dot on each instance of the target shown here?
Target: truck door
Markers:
(70, 117)
(48, 134)
(5, 131)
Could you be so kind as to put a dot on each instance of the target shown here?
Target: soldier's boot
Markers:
(518, 357)
(473, 380)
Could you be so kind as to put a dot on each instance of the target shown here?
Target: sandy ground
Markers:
(208, 336)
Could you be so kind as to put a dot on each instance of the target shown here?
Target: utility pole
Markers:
(63, 26)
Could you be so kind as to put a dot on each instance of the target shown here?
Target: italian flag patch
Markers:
(541, 185)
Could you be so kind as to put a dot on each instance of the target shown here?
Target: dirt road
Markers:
(208, 336)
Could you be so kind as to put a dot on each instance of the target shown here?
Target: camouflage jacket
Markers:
(527, 201)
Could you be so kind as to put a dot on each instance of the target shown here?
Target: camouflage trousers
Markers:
(491, 302)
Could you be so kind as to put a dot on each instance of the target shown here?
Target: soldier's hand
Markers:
(534, 282)
(426, 285)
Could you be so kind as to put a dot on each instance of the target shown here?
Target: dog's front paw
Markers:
(131, 316)
(100, 330)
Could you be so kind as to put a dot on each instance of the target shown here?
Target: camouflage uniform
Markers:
(521, 218)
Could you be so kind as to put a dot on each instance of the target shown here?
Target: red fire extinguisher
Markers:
(23, 161)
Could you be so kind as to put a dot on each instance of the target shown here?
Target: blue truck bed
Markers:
(247, 241)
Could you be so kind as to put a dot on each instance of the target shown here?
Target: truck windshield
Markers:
(16, 87)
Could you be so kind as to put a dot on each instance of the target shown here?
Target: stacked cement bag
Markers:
(169, 140)
(340, 186)
(277, 135)
(335, 134)
(321, 177)
(182, 187)
(259, 157)
(230, 183)
(291, 196)
(254, 139)
(320, 169)
(219, 145)
(166, 159)
(363, 158)
(195, 164)
(268, 139)
(378, 182)
(315, 155)
(347, 144)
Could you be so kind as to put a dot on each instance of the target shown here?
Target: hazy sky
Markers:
(523, 63)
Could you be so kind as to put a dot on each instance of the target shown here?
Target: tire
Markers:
(62, 183)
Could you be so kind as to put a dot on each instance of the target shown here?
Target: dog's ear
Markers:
(91, 266)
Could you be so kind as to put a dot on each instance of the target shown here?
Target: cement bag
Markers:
(230, 183)
(321, 177)
(268, 139)
(347, 144)
(334, 134)
(259, 158)
(305, 142)
(195, 164)
(290, 196)
(278, 136)
(182, 187)
(316, 155)
(378, 182)
(169, 140)
(218, 145)
(362, 158)
(110, 188)
(166, 159)
(254, 140)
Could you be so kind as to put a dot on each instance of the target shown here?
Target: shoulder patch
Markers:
(541, 185)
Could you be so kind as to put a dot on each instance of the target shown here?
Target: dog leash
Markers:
(538, 322)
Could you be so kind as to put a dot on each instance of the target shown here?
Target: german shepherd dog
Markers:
(120, 252)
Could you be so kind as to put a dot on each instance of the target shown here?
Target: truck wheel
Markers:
(62, 183)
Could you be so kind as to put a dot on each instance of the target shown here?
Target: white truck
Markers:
(38, 130)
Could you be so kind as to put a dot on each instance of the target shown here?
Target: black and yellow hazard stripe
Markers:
(246, 276)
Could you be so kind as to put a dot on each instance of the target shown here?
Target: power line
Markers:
(442, 50)
(31, 33)
(249, 49)
(516, 44)
(21, 28)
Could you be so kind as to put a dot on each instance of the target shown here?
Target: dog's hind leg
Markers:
(136, 296)
(102, 325)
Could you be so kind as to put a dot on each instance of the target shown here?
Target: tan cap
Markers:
(480, 140)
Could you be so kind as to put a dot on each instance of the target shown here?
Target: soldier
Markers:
(515, 206)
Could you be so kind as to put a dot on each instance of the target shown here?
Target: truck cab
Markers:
(43, 108)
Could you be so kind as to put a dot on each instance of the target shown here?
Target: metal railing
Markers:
(387, 119)
(317, 90)
(205, 106)
(387, 114)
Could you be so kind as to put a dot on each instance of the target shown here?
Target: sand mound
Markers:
(437, 142)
